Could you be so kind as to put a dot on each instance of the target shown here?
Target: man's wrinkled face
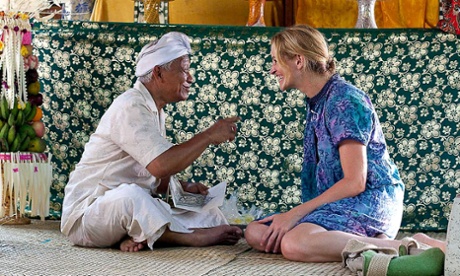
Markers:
(177, 80)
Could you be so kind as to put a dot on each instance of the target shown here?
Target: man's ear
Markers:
(156, 72)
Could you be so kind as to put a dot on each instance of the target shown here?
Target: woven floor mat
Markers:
(256, 263)
(40, 249)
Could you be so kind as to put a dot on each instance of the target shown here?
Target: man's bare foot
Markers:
(220, 235)
(128, 245)
(423, 238)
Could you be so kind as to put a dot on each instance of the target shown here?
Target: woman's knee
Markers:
(289, 247)
(293, 249)
(253, 234)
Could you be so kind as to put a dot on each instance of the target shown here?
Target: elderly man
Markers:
(111, 198)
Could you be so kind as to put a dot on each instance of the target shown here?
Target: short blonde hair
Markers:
(305, 41)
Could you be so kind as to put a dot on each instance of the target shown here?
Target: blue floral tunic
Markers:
(342, 112)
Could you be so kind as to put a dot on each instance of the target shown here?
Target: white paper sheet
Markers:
(197, 202)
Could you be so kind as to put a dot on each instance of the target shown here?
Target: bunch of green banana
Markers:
(15, 130)
(4, 108)
(29, 112)
(4, 145)
(4, 133)
(26, 133)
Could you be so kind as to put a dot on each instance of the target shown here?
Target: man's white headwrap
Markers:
(169, 47)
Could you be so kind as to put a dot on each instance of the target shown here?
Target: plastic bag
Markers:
(239, 215)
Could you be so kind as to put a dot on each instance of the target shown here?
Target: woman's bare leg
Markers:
(312, 243)
(423, 238)
(253, 235)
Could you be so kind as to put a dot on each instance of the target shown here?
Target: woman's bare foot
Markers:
(423, 238)
(219, 235)
(128, 245)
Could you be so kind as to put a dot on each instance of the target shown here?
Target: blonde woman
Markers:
(351, 189)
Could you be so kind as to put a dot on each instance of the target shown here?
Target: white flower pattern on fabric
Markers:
(400, 111)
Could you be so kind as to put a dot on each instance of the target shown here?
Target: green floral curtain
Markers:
(412, 76)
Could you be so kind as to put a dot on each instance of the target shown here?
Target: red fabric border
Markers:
(449, 16)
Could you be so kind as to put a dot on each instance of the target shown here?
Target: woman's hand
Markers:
(280, 225)
(195, 188)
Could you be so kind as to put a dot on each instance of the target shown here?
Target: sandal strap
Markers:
(378, 265)
(410, 246)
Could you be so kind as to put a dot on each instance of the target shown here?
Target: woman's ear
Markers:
(300, 61)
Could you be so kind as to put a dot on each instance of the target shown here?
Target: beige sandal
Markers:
(409, 246)
(353, 259)
(367, 259)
